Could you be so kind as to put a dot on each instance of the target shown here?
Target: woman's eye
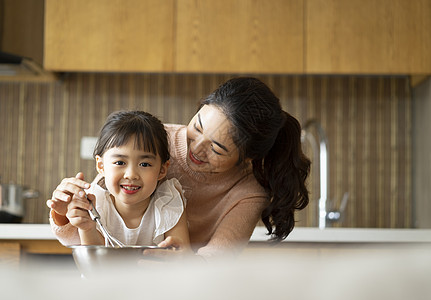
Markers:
(197, 129)
(119, 163)
(145, 165)
(216, 152)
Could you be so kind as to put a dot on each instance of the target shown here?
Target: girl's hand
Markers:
(63, 194)
(77, 213)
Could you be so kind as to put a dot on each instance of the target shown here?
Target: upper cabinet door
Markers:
(239, 36)
(114, 35)
(368, 36)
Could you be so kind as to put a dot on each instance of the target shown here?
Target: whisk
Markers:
(113, 242)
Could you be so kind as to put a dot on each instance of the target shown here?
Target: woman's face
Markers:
(210, 145)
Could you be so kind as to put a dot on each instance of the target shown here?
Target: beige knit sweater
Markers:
(222, 208)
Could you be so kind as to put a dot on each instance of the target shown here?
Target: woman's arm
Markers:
(67, 234)
(231, 235)
(61, 197)
(235, 229)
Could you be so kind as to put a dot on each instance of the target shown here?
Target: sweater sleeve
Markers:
(66, 234)
(234, 230)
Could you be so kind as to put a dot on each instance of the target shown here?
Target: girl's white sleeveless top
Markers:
(166, 206)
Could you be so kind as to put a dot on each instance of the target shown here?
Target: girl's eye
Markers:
(145, 165)
(119, 163)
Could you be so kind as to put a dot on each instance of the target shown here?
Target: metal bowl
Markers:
(96, 259)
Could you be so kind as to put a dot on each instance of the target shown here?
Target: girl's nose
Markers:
(131, 173)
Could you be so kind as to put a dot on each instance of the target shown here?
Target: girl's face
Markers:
(131, 175)
(210, 145)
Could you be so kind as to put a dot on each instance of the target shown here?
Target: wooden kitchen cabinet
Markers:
(9, 254)
(99, 35)
(243, 36)
(12, 251)
(223, 36)
(207, 36)
(368, 36)
(159, 36)
(239, 36)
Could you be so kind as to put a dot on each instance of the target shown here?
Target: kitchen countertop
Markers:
(350, 235)
(299, 234)
(26, 232)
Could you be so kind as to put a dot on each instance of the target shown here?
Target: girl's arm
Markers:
(91, 237)
(178, 236)
(178, 239)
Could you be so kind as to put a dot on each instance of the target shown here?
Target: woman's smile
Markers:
(209, 141)
(195, 159)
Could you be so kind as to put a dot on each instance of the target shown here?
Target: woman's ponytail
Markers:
(283, 173)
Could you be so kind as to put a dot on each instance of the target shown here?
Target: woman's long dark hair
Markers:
(271, 138)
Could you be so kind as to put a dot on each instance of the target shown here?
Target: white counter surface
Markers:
(26, 232)
(350, 235)
(299, 234)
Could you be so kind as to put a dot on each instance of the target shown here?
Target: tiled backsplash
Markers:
(367, 121)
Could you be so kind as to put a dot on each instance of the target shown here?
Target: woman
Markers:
(238, 160)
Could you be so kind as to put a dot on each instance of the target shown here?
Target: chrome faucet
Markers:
(322, 153)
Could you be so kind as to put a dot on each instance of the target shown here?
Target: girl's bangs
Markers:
(143, 140)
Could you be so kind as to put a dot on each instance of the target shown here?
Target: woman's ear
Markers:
(163, 170)
(99, 165)
(248, 161)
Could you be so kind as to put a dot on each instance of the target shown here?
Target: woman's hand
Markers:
(174, 243)
(63, 194)
(175, 250)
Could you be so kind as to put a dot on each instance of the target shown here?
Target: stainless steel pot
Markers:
(12, 198)
(95, 260)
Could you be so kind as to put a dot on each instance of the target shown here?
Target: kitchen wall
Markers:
(421, 154)
(367, 120)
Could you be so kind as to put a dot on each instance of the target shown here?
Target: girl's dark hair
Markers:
(271, 138)
(149, 133)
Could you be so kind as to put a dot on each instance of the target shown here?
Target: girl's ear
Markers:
(163, 170)
(99, 165)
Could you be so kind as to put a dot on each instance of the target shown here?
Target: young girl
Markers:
(138, 206)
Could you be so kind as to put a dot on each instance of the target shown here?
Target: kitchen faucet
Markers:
(322, 153)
